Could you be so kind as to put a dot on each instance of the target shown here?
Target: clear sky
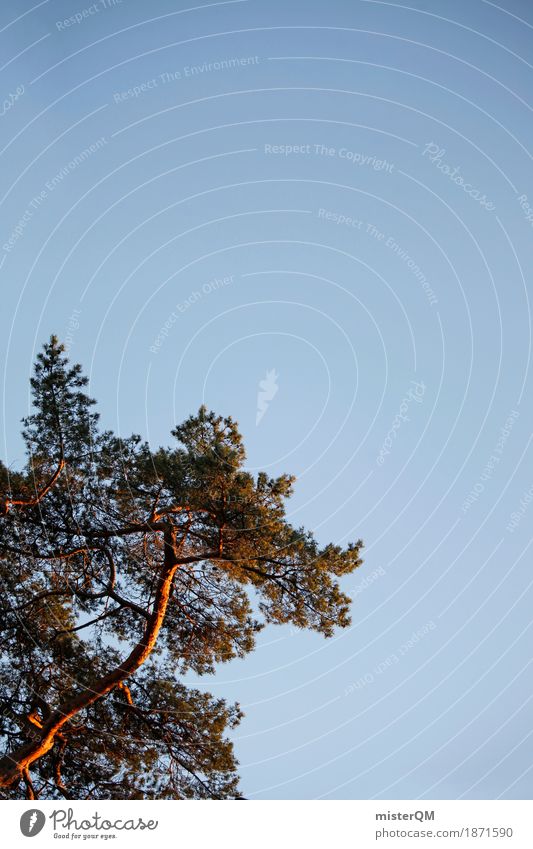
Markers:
(339, 194)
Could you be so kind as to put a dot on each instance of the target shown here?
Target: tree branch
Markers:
(30, 791)
(32, 502)
(13, 766)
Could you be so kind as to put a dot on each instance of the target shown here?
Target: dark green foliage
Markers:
(84, 539)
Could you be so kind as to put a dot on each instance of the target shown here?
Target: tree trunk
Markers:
(16, 764)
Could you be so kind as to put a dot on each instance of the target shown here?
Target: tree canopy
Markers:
(121, 568)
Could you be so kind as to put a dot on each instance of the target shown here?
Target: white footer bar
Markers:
(272, 824)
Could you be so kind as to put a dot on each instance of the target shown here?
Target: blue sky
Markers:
(339, 194)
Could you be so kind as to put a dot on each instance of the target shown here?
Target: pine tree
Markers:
(121, 569)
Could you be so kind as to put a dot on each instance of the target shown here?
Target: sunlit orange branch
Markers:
(16, 764)
(32, 502)
(30, 792)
